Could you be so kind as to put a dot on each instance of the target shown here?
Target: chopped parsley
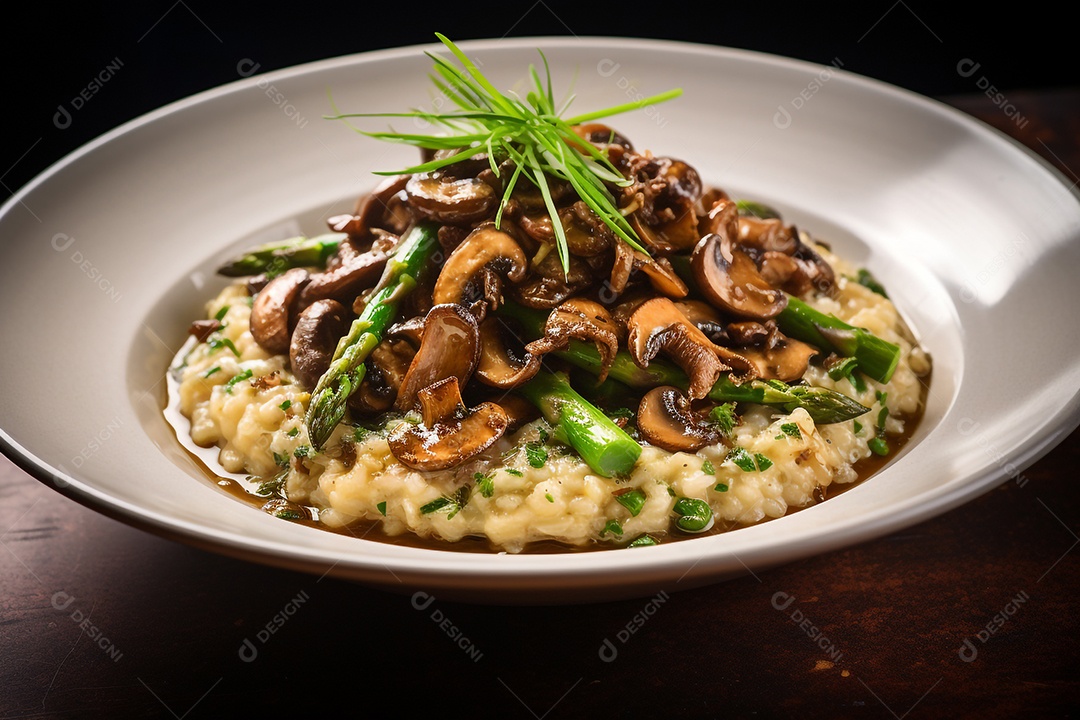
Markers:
(287, 514)
(454, 504)
(536, 453)
(707, 468)
(222, 313)
(632, 500)
(721, 487)
(857, 426)
(791, 430)
(285, 405)
(878, 445)
(294, 432)
(302, 452)
(211, 371)
(612, 527)
(218, 342)
(747, 462)
(724, 417)
(382, 508)
(246, 375)
(550, 499)
(281, 460)
(643, 541)
(514, 471)
(485, 483)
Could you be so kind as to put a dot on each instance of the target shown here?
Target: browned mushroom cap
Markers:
(315, 338)
(579, 319)
(665, 419)
(450, 433)
(730, 280)
(804, 269)
(347, 280)
(499, 366)
(546, 286)
(773, 355)
(679, 233)
(658, 325)
(387, 366)
(381, 208)
(485, 247)
(447, 199)
(659, 272)
(270, 311)
(450, 348)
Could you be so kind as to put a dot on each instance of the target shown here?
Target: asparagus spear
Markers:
(277, 257)
(346, 370)
(876, 357)
(824, 406)
(601, 443)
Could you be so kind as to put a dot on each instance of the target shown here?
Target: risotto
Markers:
(546, 335)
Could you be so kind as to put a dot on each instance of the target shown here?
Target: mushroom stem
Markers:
(602, 444)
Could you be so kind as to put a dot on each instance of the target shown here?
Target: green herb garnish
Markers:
(382, 508)
(302, 452)
(218, 342)
(868, 281)
(721, 487)
(485, 483)
(632, 500)
(294, 432)
(791, 430)
(211, 371)
(454, 503)
(643, 541)
(707, 468)
(514, 471)
(763, 463)
(530, 132)
(723, 416)
(694, 515)
(285, 405)
(536, 454)
(246, 375)
(612, 527)
(222, 313)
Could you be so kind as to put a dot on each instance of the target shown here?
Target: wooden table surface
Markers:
(973, 613)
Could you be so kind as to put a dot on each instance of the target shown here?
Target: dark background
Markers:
(170, 49)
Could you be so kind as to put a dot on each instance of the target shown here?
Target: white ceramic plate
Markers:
(977, 240)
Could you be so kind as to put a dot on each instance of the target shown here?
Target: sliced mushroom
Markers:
(315, 338)
(579, 319)
(485, 247)
(450, 433)
(387, 366)
(382, 208)
(271, 310)
(602, 136)
(658, 325)
(448, 199)
(499, 366)
(450, 348)
(773, 355)
(665, 419)
(586, 234)
(546, 286)
(347, 280)
(730, 280)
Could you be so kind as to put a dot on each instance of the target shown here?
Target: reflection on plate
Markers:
(975, 235)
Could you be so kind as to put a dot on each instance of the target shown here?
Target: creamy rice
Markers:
(257, 421)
